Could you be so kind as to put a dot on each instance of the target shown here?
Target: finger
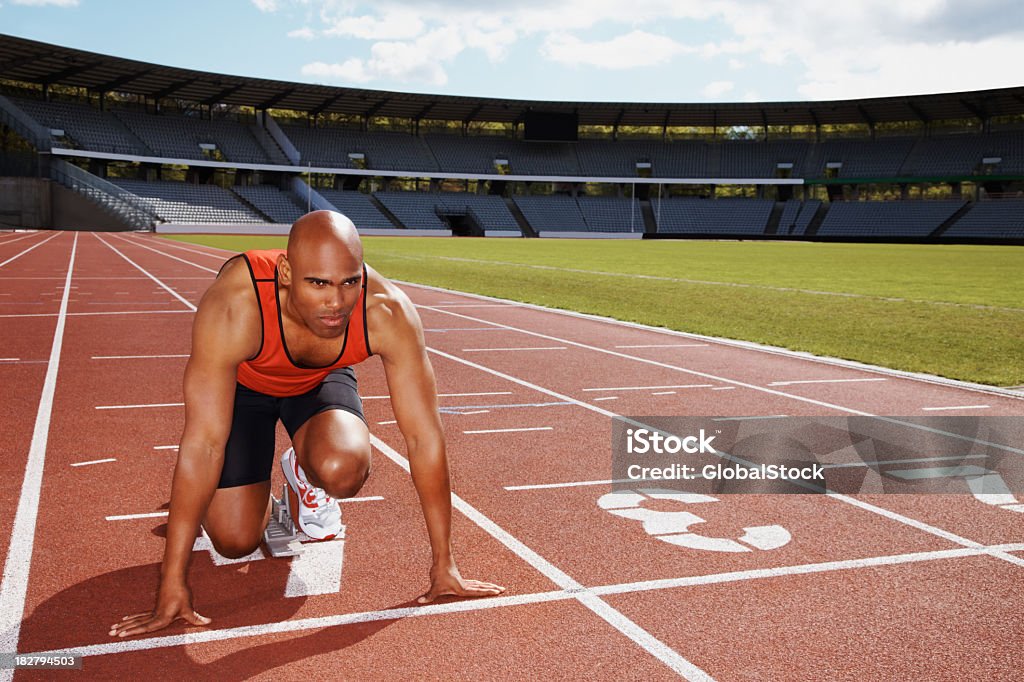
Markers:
(130, 623)
(195, 619)
(138, 615)
(481, 591)
(155, 624)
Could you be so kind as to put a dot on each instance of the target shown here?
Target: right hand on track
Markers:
(172, 603)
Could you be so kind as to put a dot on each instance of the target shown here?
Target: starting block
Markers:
(282, 535)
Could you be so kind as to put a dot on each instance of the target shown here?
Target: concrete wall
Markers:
(72, 211)
(25, 202)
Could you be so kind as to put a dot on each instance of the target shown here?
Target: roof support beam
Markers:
(70, 71)
(172, 88)
(284, 94)
(323, 106)
(219, 97)
(122, 80)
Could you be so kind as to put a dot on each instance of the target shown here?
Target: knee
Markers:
(341, 473)
(237, 546)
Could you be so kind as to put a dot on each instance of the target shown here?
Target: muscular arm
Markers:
(399, 342)
(224, 332)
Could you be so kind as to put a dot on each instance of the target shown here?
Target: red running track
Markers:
(865, 587)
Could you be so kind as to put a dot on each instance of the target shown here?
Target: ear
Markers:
(284, 270)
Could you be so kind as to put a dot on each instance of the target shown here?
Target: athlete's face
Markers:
(323, 288)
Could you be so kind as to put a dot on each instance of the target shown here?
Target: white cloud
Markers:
(265, 5)
(717, 88)
(304, 33)
(736, 64)
(628, 51)
(420, 61)
(53, 3)
(391, 26)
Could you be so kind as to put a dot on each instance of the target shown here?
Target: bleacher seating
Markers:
(178, 136)
(180, 202)
(330, 147)
(415, 210)
(963, 154)
(998, 218)
(490, 211)
(713, 216)
(611, 214)
(358, 207)
(860, 158)
(886, 218)
(552, 213)
(87, 127)
(277, 205)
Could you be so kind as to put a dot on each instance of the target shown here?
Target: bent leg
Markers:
(237, 517)
(333, 449)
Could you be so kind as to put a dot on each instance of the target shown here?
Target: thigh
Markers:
(249, 453)
(237, 516)
(339, 391)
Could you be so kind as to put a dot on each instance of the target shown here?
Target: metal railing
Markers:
(118, 201)
(23, 124)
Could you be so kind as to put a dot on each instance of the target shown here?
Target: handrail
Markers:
(75, 178)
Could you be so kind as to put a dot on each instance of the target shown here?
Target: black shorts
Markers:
(249, 455)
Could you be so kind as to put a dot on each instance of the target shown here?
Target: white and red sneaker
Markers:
(317, 514)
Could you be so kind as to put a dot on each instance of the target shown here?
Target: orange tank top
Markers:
(272, 371)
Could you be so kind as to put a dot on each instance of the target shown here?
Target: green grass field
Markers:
(952, 311)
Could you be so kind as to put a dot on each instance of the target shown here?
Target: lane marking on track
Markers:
(164, 253)
(893, 516)
(645, 388)
(526, 428)
(34, 246)
(493, 350)
(135, 357)
(94, 461)
(177, 245)
(825, 381)
(10, 359)
(463, 329)
(740, 345)
(165, 447)
(442, 395)
(138, 267)
(615, 618)
(724, 388)
(14, 588)
(874, 463)
(958, 407)
(763, 416)
(472, 412)
(132, 517)
(607, 397)
(668, 345)
(102, 312)
(390, 421)
(664, 393)
(137, 407)
(471, 305)
(575, 484)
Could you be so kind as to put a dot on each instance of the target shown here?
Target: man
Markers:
(274, 337)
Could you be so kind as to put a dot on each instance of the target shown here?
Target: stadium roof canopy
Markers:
(43, 63)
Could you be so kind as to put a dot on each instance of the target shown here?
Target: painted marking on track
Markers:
(442, 395)
(470, 305)
(10, 359)
(168, 255)
(390, 421)
(101, 312)
(917, 460)
(646, 388)
(366, 498)
(165, 447)
(607, 397)
(825, 381)
(528, 428)
(667, 345)
(141, 269)
(442, 330)
(472, 412)
(766, 416)
(134, 357)
(664, 393)
(499, 407)
(490, 350)
(132, 517)
(472, 605)
(93, 461)
(616, 619)
(14, 587)
(134, 407)
(575, 484)
(724, 388)
(957, 407)
(19, 255)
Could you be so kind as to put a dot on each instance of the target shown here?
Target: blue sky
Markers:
(588, 50)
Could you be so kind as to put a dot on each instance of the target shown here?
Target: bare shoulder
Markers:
(229, 315)
(391, 317)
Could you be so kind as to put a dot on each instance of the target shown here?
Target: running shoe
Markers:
(317, 514)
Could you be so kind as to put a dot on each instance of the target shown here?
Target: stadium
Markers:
(829, 283)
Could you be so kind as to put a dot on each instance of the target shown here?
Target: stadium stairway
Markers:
(817, 220)
(524, 224)
(386, 213)
(949, 222)
(774, 217)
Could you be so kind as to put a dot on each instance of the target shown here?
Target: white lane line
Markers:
(367, 498)
(135, 357)
(10, 359)
(177, 245)
(572, 484)
(957, 407)
(34, 246)
(471, 305)
(135, 407)
(491, 350)
(732, 343)
(165, 447)
(825, 381)
(93, 461)
(877, 463)
(471, 605)
(14, 587)
(163, 253)
(646, 388)
(102, 312)
(463, 329)
(528, 428)
(763, 416)
(664, 393)
(724, 388)
(667, 345)
(607, 397)
(166, 288)
(441, 395)
(473, 412)
(615, 618)
(899, 518)
(17, 239)
(390, 421)
(132, 517)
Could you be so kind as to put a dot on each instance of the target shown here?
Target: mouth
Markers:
(333, 320)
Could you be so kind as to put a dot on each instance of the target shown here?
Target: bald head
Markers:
(324, 233)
